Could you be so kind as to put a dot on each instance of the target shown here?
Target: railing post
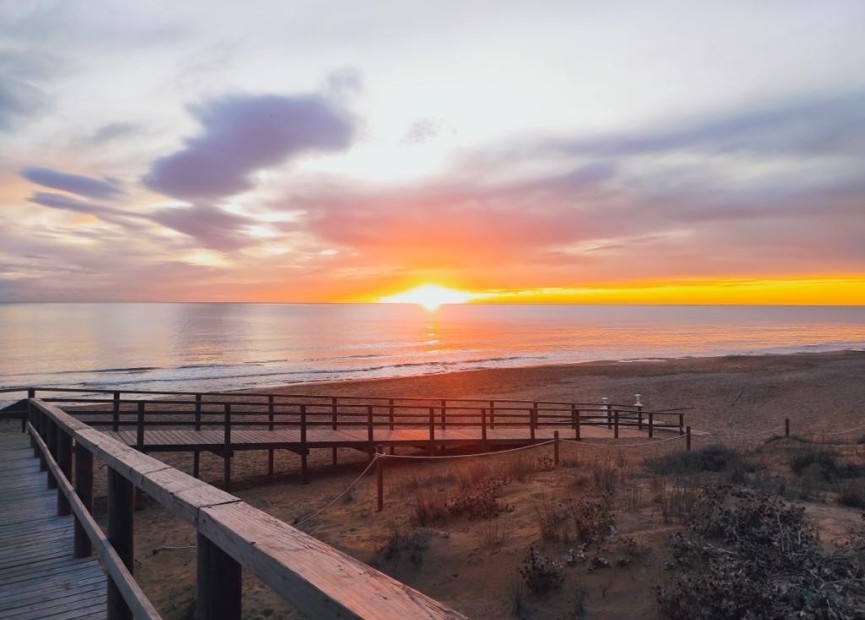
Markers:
(484, 430)
(492, 414)
(304, 453)
(64, 461)
(390, 413)
(688, 438)
(42, 429)
(533, 420)
(51, 441)
(121, 537)
(84, 490)
(616, 424)
(219, 583)
(334, 408)
(226, 448)
(139, 427)
(681, 424)
(639, 407)
(556, 448)
(196, 455)
(606, 402)
(444, 414)
(379, 475)
(115, 413)
(786, 427)
(370, 436)
(34, 422)
(432, 431)
(577, 432)
(270, 427)
(651, 424)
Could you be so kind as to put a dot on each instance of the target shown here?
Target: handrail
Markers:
(317, 579)
(117, 571)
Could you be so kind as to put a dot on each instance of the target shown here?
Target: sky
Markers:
(319, 151)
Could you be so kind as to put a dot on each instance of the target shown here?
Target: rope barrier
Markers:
(309, 518)
(577, 442)
(467, 456)
(747, 435)
(849, 430)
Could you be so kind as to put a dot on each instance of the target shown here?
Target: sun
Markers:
(430, 296)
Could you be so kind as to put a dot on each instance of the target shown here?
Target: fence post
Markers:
(379, 475)
(681, 424)
(139, 434)
(270, 427)
(334, 412)
(64, 460)
(115, 413)
(196, 455)
(121, 537)
(786, 427)
(556, 448)
(304, 453)
(606, 402)
(432, 431)
(51, 441)
(370, 435)
(219, 582)
(84, 490)
(616, 424)
(444, 414)
(639, 407)
(226, 448)
(533, 414)
(492, 414)
(651, 424)
(688, 439)
(484, 430)
(577, 435)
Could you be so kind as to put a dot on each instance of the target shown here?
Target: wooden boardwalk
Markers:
(39, 578)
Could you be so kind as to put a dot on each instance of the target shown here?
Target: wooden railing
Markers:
(317, 579)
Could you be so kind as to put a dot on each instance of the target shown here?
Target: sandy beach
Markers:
(473, 564)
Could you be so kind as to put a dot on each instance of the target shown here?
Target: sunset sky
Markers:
(642, 152)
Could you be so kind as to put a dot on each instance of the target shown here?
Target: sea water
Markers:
(222, 346)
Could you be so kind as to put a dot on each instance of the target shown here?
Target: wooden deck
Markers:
(39, 578)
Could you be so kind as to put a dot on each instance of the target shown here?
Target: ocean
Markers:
(226, 346)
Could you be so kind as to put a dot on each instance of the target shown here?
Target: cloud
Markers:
(111, 131)
(243, 134)
(832, 125)
(19, 100)
(424, 130)
(213, 227)
(72, 183)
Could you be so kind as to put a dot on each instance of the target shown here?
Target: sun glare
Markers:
(430, 296)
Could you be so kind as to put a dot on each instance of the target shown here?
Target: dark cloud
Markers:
(211, 226)
(243, 134)
(111, 131)
(72, 183)
(813, 127)
(19, 100)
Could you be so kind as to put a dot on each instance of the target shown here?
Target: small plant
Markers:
(593, 520)
(414, 544)
(430, 507)
(480, 502)
(820, 464)
(542, 574)
(709, 459)
(852, 494)
(605, 474)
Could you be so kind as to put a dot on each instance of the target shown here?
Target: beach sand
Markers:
(473, 564)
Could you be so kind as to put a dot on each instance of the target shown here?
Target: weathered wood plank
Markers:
(320, 580)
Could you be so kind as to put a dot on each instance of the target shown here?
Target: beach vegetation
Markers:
(717, 458)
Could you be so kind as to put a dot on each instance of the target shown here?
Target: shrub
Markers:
(852, 494)
(710, 459)
(429, 507)
(542, 574)
(479, 502)
(750, 555)
(821, 465)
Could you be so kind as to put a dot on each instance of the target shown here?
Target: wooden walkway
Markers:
(39, 578)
